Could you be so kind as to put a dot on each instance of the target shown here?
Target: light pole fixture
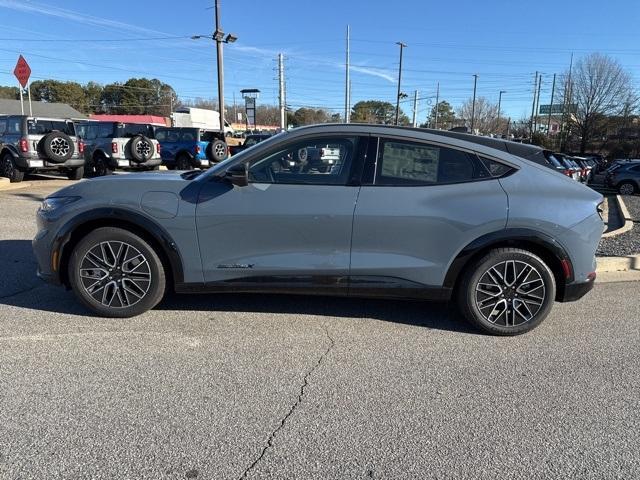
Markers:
(219, 37)
(402, 47)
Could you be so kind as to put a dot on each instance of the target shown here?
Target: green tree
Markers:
(376, 111)
(92, 94)
(53, 91)
(138, 96)
(446, 116)
(310, 116)
(11, 93)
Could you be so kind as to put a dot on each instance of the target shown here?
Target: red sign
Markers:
(22, 71)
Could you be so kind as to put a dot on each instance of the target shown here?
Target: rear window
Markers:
(554, 161)
(128, 130)
(43, 127)
(496, 169)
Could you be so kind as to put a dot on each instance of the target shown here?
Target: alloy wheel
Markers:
(116, 274)
(510, 293)
(220, 150)
(60, 147)
(626, 189)
(143, 149)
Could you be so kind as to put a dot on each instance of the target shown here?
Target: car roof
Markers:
(532, 153)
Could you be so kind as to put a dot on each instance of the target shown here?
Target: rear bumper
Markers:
(28, 163)
(575, 290)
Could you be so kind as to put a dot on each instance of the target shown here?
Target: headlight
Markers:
(53, 203)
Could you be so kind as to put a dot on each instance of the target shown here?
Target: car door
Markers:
(290, 226)
(420, 204)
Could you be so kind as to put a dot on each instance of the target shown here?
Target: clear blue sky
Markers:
(503, 41)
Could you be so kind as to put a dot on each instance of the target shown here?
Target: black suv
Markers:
(38, 144)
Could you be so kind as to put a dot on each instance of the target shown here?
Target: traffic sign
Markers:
(22, 71)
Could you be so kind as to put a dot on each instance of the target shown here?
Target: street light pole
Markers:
(218, 37)
(402, 46)
(473, 103)
(499, 105)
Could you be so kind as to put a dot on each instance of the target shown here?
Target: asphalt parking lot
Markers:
(258, 386)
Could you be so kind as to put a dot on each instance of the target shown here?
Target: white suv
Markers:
(113, 145)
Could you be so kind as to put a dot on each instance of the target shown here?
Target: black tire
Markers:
(183, 162)
(117, 295)
(476, 293)
(75, 173)
(9, 169)
(228, 134)
(58, 146)
(140, 148)
(100, 166)
(170, 167)
(216, 151)
(627, 188)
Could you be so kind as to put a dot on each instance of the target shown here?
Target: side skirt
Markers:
(341, 286)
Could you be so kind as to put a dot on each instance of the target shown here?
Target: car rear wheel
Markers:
(626, 188)
(508, 291)
(116, 273)
(100, 167)
(183, 162)
(9, 169)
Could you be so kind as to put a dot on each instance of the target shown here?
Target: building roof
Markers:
(40, 109)
(145, 119)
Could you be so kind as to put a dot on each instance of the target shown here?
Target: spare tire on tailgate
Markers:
(140, 148)
(58, 146)
(216, 151)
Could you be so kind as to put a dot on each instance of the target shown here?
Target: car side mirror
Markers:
(238, 174)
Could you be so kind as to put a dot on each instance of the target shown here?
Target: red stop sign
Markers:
(22, 71)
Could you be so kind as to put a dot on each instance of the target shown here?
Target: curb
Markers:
(624, 213)
(618, 264)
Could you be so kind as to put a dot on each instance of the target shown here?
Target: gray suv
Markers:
(39, 144)
(113, 145)
(400, 213)
(624, 177)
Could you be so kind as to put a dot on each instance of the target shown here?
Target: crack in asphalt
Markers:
(305, 383)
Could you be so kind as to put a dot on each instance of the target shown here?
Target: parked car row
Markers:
(623, 176)
(92, 148)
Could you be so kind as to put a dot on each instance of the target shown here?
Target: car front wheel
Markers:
(508, 291)
(116, 273)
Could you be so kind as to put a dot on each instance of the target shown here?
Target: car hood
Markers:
(125, 186)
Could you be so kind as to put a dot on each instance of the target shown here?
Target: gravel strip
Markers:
(627, 243)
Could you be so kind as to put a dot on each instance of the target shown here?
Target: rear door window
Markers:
(408, 163)
(128, 130)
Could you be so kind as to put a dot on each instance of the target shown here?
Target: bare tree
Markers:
(597, 87)
(485, 115)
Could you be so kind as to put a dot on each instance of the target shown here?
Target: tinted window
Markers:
(496, 169)
(320, 161)
(405, 163)
(188, 136)
(128, 130)
(3, 125)
(554, 161)
(43, 127)
(13, 125)
(207, 136)
(161, 135)
(635, 169)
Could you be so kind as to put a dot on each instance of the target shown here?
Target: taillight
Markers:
(24, 145)
(567, 172)
(566, 268)
(158, 148)
(114, 147)
(81, 147)
(197, 150)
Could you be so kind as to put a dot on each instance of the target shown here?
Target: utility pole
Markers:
(473, 103)
(235, 108)
(533, 106)
(415, 109)
(538, 102)
(218, 37)
(553, 91)
(347, 81)
(499, 105)
(567, 103)
(281, 96)
(402, 46)
(437, 102)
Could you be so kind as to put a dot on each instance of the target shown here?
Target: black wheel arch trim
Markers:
(515, 236)
(141, 222)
